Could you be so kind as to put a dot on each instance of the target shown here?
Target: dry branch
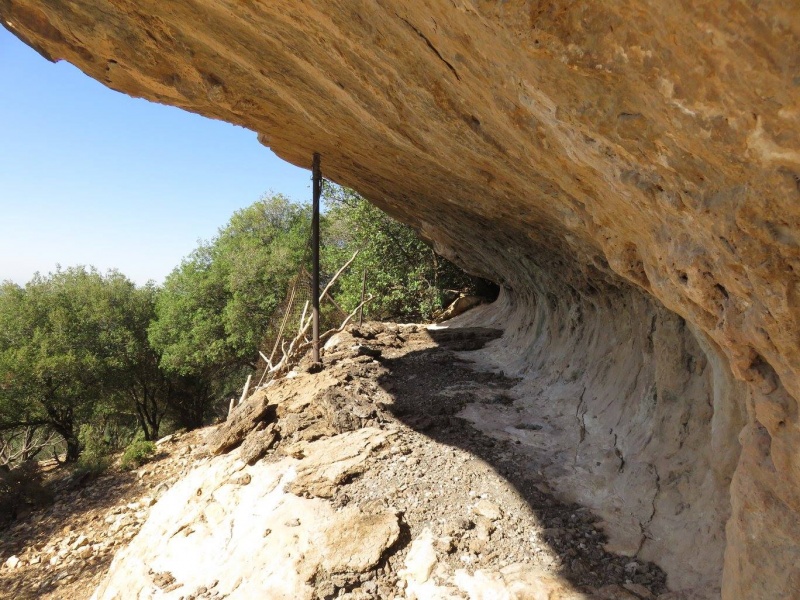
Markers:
(293, 351)
(22, 444)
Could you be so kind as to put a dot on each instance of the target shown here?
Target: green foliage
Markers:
(59, 337)
(95, 454)
(214, 308)
(74, 350)
(86, 352)
(408, 280)
(137, 453)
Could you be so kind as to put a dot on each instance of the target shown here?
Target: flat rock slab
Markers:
(257, 443)
(354, 541)
(242, 421)
(245, 541)
(331, 461)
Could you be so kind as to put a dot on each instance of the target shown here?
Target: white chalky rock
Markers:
(254, 541)
(421, 558)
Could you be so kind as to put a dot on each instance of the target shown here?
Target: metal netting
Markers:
(288, 319)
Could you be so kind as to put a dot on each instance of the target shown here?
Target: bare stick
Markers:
(339, 272)
(266, 360)
(363, 293)
(303, 318)
(299, 343)
(23, 444)
(283, 322)
(246, 389)
(304, 326)
(335, 304)
(341, 327)
(269, 363)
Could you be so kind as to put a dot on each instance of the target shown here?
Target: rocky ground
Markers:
(359, 481)
(64, 550)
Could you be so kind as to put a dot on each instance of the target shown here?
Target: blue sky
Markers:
(90, 176)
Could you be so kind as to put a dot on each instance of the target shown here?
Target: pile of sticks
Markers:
(293, 350)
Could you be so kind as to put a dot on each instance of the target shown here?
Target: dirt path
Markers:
(448, 472)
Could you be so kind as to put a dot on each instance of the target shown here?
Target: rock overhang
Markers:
(574, 152)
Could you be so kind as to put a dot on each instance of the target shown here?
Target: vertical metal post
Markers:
(316, 175)
(363, 294)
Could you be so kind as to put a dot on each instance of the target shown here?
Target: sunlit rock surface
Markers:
(613, 162)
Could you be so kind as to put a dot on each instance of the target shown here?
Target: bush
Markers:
(138, 453)
(94, 458)
(21, 490)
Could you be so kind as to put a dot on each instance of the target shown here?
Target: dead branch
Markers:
(296, 351)
(23, 444)
(303, 319)
(335, 277)
(296, 347)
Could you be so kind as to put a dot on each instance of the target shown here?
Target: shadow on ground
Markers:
(77, 506)
(421, 383)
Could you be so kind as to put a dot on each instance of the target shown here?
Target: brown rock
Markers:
(356, 541)
(639, 590)
(607, 162)
(330, 461)
(616, 592)
(257, 443)
(242, 421)
(488, 509)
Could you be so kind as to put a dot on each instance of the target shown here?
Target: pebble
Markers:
(488, 509)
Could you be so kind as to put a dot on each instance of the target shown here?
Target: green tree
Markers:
(407, 278)
(215, 307)
(137, 381)
(57, 335)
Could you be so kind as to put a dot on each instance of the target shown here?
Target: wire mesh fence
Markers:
(290, 317)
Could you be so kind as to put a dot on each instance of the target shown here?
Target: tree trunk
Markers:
(73, 446)
(70, 438)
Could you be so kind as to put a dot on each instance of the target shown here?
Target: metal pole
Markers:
(363, 293)
(316, 175)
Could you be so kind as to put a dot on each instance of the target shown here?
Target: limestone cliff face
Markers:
(572, 151)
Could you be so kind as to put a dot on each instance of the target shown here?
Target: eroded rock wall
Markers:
(597, 144)
(628, 411)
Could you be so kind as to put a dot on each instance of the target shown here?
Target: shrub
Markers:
(21, 490)
(94, 458)
(138, 453)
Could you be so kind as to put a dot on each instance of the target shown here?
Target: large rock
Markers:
(583, 154)
(329, 462)
(233, 530)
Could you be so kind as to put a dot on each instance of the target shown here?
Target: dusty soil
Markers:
(445, 475)
(484, 506)
(65, 549)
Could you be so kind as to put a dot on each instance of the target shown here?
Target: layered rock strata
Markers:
(630, 412)
(581, 154)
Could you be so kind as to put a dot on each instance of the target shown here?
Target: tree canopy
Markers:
(63, 341)
(408, 280)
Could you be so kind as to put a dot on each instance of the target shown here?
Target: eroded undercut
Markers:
(626, 171)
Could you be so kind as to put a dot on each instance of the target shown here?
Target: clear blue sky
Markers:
(90, 176)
